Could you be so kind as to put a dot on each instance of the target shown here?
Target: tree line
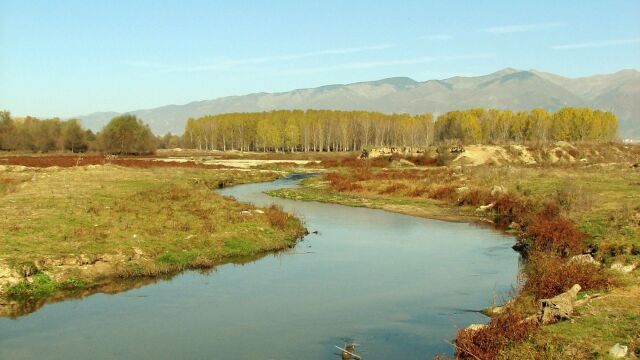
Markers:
(124, 134)
(328, 130)
(313, 130)
(310, 130)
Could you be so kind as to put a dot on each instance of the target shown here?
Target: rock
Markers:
(559, 307)
(476, 327)
(85, 260)
(405, 162)
(584, 259)
(618, 351)
(483, 208)
(492, 311)
(625, 269)
(8, 277)
(515, 226)
(498, 190)
(258, 211)
(245, 213)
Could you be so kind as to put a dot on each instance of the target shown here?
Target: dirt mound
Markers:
(494, 155)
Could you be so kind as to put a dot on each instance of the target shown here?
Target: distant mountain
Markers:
(506, 89)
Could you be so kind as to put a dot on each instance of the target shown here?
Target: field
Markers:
(67, 229)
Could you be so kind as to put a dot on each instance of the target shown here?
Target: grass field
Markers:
(80, 226)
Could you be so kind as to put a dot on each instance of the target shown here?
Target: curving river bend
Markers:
(395, 284)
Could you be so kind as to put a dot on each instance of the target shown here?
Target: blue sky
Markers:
(65, 58)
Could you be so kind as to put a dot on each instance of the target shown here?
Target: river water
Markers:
(395, 284)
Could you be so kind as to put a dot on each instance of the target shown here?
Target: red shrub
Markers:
(557, 235)
(277, 217)
(548, 275)
(509, 208)
(486, 343)
(339, 182)
(363, 175)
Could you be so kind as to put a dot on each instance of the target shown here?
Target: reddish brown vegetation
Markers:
(340, 182)
(475, 198)
(418, 191)
(551, 232)
(510, 208)
(394, 188)
(486, 343)
(354, 162)
(446, 192)
(424, 160)
(71, 161)
(277, 217)
(549, 275)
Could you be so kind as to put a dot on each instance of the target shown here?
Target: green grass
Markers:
(121, 222)
(41, 286)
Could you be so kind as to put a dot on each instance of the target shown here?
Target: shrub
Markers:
(487, 343)
(549, 231)
(340, 182)
(509, 208)
(418, 191)
(363, 175)
(548, 275)
(423, 160)
(277, 217)
(475, 198)
(393, 188)
(446, 192)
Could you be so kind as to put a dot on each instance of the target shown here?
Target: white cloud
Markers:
(508, 29)
(229, 64)
(596, 44)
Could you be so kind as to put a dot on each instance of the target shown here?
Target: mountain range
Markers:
(505, 89)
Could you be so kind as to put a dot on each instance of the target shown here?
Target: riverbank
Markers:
(69, 232)
(556, 211)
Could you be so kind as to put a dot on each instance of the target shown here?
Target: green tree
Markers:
(74, 137)
(8, 132)
(126, 134)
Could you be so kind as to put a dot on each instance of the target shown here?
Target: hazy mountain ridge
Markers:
(505, 89)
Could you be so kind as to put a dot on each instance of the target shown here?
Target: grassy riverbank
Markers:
(556, 211)
(76, 228)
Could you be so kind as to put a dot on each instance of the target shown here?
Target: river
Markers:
(395, 284)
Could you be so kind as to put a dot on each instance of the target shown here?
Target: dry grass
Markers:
(277, 217)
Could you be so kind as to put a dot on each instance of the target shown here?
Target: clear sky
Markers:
(66, 58)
